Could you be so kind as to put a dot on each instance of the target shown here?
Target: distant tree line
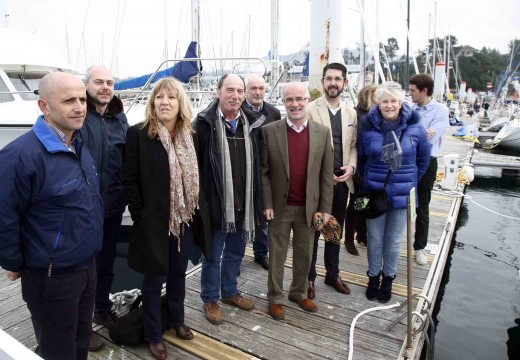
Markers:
(477, 70)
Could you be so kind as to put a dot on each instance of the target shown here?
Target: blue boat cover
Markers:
(182, 71)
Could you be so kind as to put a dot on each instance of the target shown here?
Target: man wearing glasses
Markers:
(330, 111)
(296, 168)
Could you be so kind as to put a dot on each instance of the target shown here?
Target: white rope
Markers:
(491, 211)
(460, 194)
(353, 325)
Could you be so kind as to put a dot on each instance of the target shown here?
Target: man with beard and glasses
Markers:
(330, 111)
(104, 133)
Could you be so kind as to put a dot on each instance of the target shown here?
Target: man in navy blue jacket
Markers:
(51, 220)
(104, 134)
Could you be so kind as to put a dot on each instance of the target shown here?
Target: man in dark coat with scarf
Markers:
(230, 178)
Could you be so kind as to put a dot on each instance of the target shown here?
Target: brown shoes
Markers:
(183, 332)
(340, 285)
(158, 350)
(311, 292)
(240, 302)
(213, 313)
(305, 304)
(276, 311)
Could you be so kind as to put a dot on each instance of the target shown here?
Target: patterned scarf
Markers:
(227, 186)
(184, 177)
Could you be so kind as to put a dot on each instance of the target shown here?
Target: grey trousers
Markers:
(293, 218)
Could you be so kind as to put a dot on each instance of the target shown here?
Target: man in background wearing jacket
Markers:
(104, 134)
(51, 220)
(259, 113)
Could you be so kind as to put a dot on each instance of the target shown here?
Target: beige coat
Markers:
(275, 169)
(318, 111)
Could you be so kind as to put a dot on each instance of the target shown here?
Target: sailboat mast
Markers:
(195, 31)
(275, 55)
(362, 54)
(378, 76)
(428, 46)
(407, 65)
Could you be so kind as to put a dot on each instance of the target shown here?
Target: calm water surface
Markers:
(478, 309)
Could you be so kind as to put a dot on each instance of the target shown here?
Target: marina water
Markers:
(477, 312)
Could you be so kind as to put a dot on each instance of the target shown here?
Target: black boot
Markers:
(373, 286)
(385, 291)
(351, 248)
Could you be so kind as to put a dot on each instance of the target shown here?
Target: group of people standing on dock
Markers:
(237, 173)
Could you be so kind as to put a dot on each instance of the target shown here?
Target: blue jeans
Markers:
(220, 268)
(384, 241)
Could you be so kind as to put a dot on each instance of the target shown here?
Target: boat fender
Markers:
(470, 173)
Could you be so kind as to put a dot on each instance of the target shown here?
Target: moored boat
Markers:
(21, 69)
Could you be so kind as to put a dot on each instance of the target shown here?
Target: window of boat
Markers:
(3, 89)
(26, 82)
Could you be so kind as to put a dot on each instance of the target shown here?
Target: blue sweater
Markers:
(51, 210)
(416, 155)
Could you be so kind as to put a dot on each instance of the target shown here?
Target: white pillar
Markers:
(439, 81)
(324, 48)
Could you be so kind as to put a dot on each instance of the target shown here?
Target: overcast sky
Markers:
(131, 35)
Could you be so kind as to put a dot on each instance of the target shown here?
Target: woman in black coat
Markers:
(161, 182)
(355, 222)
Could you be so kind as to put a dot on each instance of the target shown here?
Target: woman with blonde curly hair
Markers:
(161, 180)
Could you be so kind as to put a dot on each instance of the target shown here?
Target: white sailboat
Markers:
(509, 135)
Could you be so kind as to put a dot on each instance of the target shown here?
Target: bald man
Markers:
(259, 113)
(296, 171)
(104, 134)
(51, 220)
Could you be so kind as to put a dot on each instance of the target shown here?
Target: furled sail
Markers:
(182, 71)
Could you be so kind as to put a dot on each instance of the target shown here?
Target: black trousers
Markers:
(331, 256)
(175, 288)
(424, 195)
(61, 308)
(105, 263)
(354, 221)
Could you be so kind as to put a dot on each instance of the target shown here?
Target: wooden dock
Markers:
(302, 335)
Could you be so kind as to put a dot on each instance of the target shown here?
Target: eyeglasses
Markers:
(298, 100)
(330, 78)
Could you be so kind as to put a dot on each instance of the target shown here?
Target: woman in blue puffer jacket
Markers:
(386, 231)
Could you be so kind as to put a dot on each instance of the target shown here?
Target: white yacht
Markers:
(24, 60)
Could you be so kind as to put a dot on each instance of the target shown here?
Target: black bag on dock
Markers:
(129, 329)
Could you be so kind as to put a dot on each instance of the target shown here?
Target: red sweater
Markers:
(298, 148)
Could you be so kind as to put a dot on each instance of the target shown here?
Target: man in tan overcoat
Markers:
(336, 115)
(297, 181)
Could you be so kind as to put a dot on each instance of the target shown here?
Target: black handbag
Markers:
(372, 204)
